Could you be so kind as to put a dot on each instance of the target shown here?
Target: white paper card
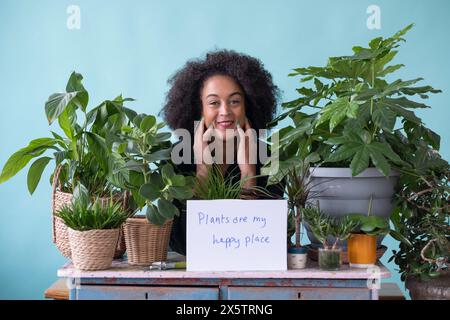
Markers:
(236, 235)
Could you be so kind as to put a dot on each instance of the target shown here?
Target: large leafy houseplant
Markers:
(358, 116)
(144, 153)
(83, 151)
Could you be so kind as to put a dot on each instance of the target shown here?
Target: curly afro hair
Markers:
(183, 104)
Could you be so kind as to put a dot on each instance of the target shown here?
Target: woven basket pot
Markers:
(59, 230)
(146, 242)
(93, 249)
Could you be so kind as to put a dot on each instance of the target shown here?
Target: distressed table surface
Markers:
(124, 281)
(121, 269)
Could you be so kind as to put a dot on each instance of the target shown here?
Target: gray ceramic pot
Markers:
(339, 193)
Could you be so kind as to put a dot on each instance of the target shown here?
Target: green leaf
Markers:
(167, 173)
(97, 146)
(380, 162)
(137, 198)
(386, 150)
(81, 195)
(400, 111)
(399, 237)
(390, 69)
(406, 103)
(432, 138)
(162, 136)
(35, 173)
(138, 119)
(158, 155)
(21, 158)
(337, 111)
(154, 216)
(57, 103)
(343, 153)
(178, 180)
(384, 118)
(147, 123)
(66, 121)
(395, 86)
(131, 114)
(167, 209)
(336, 118)
(150, 191)
(74, 85)
(360, 162)
(180, 192)
(133, 165)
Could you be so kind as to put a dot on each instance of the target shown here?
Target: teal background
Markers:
(132, 47)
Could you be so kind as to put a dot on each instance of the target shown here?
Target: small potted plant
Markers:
(362, 242)
(325, 227)
(93, 229)
(297, 189)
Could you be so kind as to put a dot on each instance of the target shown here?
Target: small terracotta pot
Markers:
(362, 250)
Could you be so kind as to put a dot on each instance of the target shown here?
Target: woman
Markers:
(233, 97)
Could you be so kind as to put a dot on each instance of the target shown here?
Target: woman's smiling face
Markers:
(223, 105)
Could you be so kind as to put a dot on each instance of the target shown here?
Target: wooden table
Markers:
(123, 281)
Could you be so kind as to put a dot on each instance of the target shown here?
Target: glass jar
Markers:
(329, 259)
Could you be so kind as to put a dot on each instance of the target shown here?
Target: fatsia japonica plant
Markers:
(357, 115)
(83, 151)
(151, 178)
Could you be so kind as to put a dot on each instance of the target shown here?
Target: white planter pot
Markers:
(338, 193)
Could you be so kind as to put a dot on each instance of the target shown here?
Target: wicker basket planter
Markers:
(93, 249)
(146, 242)
(60, 230)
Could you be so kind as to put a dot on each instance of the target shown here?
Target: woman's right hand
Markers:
(202, 154)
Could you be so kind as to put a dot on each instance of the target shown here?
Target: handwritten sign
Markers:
(236, 235)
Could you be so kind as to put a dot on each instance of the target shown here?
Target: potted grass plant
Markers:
(93, 229)
(216, 186)
(80, 153)
(350, 119)
(325, 228)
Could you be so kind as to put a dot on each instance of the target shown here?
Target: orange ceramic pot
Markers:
(362, 250)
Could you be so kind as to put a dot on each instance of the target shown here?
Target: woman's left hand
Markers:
(247, 153)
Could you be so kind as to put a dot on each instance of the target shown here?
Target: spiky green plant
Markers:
(83, 214)
(324, 226)
(216, 186)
